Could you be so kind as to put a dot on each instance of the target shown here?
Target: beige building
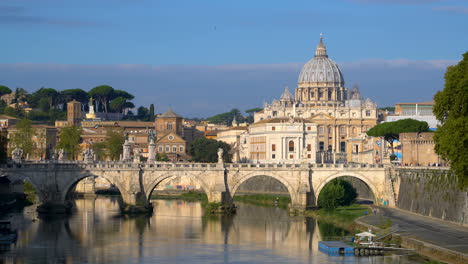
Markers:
(284, 140)
(237, 137)
(44, 141)
(322, 99)
(418, 149)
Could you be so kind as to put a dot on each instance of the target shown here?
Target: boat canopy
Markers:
(365, 234)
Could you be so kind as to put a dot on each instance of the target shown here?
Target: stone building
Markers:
(322, 99)
(44, 141)
(172, 137)
(74, 113)
(283, 140)
(418, 111)
(418, 149)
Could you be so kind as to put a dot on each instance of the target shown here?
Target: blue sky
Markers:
(205, 57)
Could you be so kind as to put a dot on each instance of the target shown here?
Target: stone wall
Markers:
(432, 192)
(262, 185)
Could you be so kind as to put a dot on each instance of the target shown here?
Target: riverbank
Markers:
(186, 196)
(343, 216)
(429, 237)
(264, 200)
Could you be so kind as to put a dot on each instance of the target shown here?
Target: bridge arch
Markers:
(281, 179)
(77, 178)
(359, 176)
(149, 188)
(23, 177)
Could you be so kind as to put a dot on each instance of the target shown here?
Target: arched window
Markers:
(354, 131)
(330, 130)
(320, 129)
(342, 130)
(291, 145)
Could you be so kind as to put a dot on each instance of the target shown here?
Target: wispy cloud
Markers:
(18, 15)
(452, 9)
(403, 2)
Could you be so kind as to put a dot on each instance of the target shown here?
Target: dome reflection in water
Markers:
(176, 233)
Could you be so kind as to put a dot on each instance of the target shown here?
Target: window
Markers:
(309, 147)
(309, 156)
(291, 156)
(275, 113)
(291, 145)
(342, 130)
(329, 147)
(309, 128)
(343, 147)
(174, 149)
(167, 149)
(367, 112)
(181, 149)
(160, 149)
(273, 147)
(330, 130)
(354, 131)
(169, 126)
(273, 156)
(320, 130)
(329, 95)
(356, 148)
(312, 95)
(321, 146)
(273, 128)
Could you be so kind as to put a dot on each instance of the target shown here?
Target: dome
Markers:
(321, 68)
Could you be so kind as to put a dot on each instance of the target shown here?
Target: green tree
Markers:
(114, 143)
(69, 140)
(124, 94)
(162, 157)
(151, 112)
(102, 93)
(117, 105)
(74, 94)
(23, 136)
(390, 131)
(206, 150)
(49, 95)
(3, 145)
(226, 118)
(99, 148)
(337, 193)
(451, 109)
(4, 90)
(251, 112)
(142, 113)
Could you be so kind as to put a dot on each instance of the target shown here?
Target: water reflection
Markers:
(177, 232)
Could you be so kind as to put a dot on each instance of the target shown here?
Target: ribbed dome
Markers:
(321, 69)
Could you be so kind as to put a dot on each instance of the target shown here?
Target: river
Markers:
(177, 232)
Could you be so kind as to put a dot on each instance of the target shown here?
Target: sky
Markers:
(206, 57)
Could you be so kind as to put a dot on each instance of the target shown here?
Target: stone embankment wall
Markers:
(432, 192)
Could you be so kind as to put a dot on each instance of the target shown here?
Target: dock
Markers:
(336, 248)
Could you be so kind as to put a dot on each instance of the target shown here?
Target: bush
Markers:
(337, 193)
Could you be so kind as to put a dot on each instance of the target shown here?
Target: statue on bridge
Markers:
(17, 154)
(151, 148)
(136, 156)
(62, 155)
(126, 150)
(88, 155)
(220, 155)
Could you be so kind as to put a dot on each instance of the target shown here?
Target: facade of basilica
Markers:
(323, 117)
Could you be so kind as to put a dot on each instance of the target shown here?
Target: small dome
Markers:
(321, 68)
(287, 95)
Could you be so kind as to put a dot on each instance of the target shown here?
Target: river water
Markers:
(177, 232)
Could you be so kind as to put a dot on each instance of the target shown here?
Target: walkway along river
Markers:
(177, 232)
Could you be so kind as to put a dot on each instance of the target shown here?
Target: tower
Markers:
(74, 113)
(169, 122)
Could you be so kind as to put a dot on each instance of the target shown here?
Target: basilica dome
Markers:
(321, 68)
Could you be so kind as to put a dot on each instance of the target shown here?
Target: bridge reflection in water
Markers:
(177, 232)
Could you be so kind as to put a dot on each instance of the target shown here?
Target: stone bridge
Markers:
(136, 181)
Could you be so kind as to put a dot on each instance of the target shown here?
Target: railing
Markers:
(183, 166)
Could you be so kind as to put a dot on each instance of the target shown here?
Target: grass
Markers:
(187, 196)
(342, 216)
(264, 199)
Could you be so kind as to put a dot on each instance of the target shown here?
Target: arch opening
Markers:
(262, 189)
(18, 191)
(186, 187)
(365, 193)
(89, 186)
